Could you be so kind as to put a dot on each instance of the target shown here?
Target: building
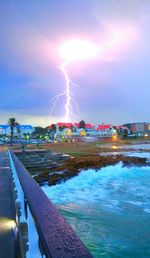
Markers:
(26, 129)
(22, 129)
(139, 129)
(4, 130)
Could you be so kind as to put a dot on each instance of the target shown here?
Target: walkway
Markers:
(7, 214)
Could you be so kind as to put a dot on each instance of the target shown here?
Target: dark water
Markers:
(109, 209)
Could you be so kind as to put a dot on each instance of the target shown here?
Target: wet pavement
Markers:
(8, 241)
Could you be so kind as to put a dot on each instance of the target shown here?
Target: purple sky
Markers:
(114, 88)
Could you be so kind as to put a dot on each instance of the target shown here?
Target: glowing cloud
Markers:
(121, 36)
(77, 49)
(70, 51)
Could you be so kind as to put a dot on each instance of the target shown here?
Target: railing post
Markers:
(49, 235)
(33, 238)
(19, 193)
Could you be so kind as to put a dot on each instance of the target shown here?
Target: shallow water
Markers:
(127, 153)
(142, 146)
(109, 209)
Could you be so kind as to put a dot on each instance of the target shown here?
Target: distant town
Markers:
(13, 132)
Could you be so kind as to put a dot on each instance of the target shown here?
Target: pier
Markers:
(8, 240)
(49, 235)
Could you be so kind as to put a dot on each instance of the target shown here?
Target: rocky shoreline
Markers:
(73, 166)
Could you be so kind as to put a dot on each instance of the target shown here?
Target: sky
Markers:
(111, 87)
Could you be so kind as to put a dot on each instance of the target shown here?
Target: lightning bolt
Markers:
(77, 49)
(71, 103)
(55, 99)
(68, 93)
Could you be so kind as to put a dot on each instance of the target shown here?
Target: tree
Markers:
(125, 133)
(12, 123)
(82, 124)
(53, 130)
(18, 131)
(39, 130)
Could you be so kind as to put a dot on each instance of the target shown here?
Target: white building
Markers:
(23, 129)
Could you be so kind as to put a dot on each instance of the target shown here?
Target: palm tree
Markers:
(12, 123)
(18, 131)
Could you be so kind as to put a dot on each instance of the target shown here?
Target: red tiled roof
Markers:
(68, 125)
(76, 124)
(89, 126)
(103, 127)
(65, 124)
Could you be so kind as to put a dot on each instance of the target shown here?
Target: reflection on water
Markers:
(109, 209)
(114, 147)
(142, 146)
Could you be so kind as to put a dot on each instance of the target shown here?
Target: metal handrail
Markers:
(57, 238)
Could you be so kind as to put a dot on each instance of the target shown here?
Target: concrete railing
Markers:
(49, 234)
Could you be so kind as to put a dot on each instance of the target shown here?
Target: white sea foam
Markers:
(108, 208)
(108, 187)
(147, 210)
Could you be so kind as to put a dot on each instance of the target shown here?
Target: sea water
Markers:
(129, 153)
(109, 209)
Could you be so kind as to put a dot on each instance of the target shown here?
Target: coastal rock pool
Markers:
(109, 209)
